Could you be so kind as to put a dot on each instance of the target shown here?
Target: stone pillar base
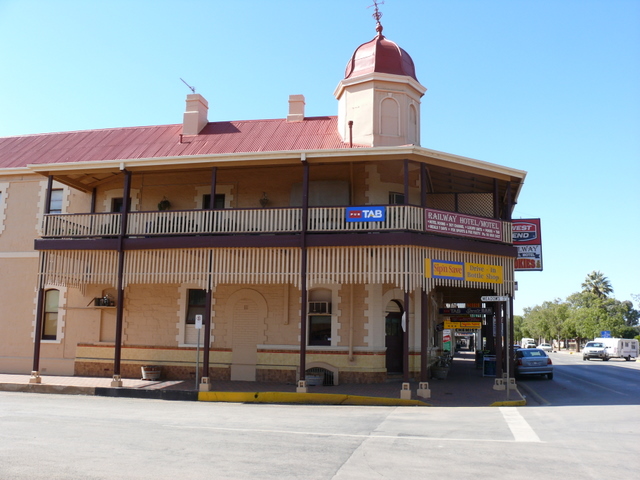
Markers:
(302, 387)
(423, 390)
(405, 393)
(116, 382)
(499, 384)
(205, 386)
(35, 377)
(512, 384)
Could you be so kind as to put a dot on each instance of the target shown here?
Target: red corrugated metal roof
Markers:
(315, 133)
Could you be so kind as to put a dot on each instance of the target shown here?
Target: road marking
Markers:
(521, 430)
(593, 384)
(373, 435)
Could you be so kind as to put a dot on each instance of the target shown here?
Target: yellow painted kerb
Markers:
(304, 398)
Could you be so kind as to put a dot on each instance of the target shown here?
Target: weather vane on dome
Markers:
(377, 14)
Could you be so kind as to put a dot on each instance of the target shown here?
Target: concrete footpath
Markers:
(465, 386)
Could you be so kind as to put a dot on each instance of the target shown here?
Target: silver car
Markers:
(533, 361)
(546, 347)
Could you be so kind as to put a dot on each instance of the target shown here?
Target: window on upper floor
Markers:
(55, 203)
(50, 315)
(117, 204)
(396, 198)
(218, 202)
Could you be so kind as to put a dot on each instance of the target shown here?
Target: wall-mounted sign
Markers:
(470, 272)
(366, 214)
(527, 239)
(450, 223)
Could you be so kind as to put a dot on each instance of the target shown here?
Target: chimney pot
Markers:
(195, 116)
(296, 108)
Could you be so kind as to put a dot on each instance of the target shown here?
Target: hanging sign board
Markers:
(466, 311)
(456, 325)
(495, 299)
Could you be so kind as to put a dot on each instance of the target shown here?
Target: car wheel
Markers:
(605, 359)
(584, 358)
(628, 359)
(550, 376)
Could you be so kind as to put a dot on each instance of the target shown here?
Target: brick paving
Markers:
(465, 386)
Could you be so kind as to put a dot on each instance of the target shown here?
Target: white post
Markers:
(198, 326)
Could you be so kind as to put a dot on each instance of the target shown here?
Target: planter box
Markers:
(150, 373)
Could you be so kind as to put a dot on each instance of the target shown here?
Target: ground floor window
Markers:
(319, 329)
(196, 305)
(50, 315)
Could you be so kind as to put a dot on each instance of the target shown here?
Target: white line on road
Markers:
(522, 431)
(399, 436)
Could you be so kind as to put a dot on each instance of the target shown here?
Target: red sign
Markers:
(528, 240)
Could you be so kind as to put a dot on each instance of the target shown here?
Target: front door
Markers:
(393, 338)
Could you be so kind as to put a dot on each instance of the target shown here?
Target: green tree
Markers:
(597, 284)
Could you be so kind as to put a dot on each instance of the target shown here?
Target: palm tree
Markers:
(597, 284)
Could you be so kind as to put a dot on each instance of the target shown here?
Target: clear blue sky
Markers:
(547, 86)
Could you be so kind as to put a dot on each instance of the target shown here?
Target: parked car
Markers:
(595, 350)
(530, 345)
(533, 361)
(546, 347)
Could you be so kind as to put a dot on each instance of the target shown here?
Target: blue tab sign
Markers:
(366, 214)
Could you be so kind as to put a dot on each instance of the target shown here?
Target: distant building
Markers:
(304, 242)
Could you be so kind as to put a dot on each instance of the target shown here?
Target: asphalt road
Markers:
(578, 382)
(77, 437)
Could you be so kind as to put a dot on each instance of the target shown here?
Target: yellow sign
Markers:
(454, 325)
(471, 272)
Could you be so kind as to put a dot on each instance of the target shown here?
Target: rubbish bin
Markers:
(489, 366)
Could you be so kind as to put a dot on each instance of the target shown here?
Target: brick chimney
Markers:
(195, 117)
(296, 108)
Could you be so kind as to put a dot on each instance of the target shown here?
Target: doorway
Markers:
(394, 336)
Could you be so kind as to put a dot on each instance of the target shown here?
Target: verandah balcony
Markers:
(240, 221)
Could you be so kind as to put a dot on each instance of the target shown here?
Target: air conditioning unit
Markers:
(320, 307)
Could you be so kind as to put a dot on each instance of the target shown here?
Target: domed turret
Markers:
(380, 94)
(380, 55)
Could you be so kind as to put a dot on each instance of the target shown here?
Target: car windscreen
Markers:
(533, 353)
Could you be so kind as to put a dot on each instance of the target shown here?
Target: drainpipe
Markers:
(117, 379)
(303, 267)
(350, 133)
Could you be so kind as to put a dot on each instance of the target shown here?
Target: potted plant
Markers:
(440, 369)
(164, 204)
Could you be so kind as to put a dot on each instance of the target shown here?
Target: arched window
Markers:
(413, 125)
(50, 315)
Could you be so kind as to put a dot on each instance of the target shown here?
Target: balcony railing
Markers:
(233, 221)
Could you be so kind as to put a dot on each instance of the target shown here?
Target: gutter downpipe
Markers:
(205, 381)
(302, 385)
(117, 378)
(37, 336)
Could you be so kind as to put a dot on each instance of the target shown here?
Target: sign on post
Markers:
(502, 298)
(198, 322)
